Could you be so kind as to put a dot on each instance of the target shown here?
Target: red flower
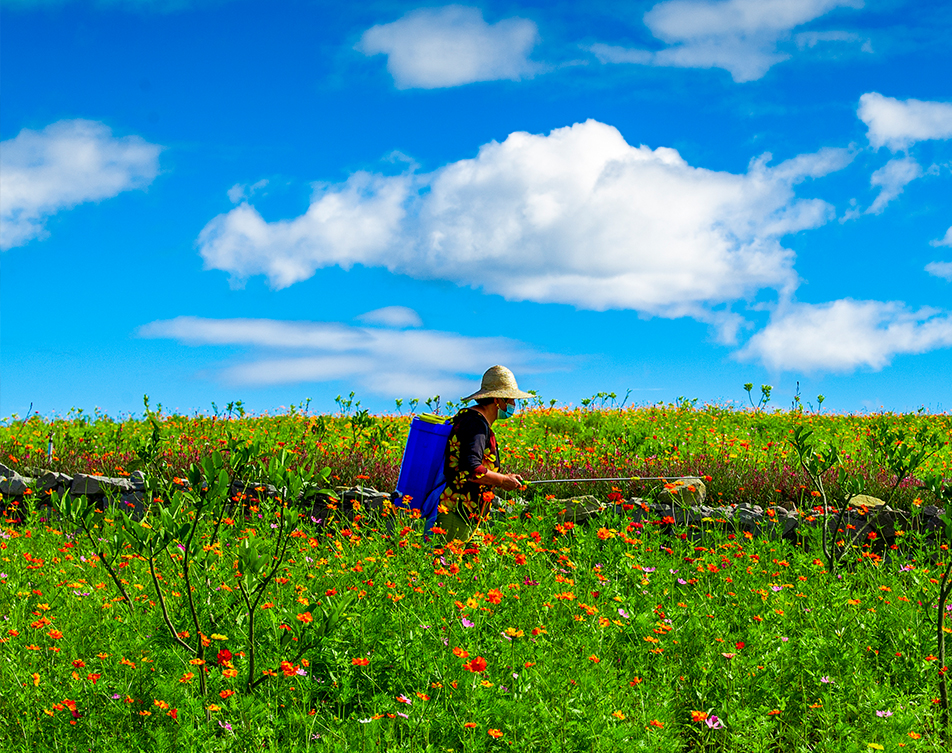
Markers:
(224, 656)
(475, 665)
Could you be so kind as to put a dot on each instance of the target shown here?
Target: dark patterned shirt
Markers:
(471, 451)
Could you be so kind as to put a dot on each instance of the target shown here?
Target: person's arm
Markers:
(473, 436)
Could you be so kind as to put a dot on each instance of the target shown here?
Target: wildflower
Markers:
(229, 673)
(624, 614)
(187, 677)
(698, 716)
(173, 713)
(884, 714)
(196, 662)
(403, 699)
(475, 665)
(470, 725)
(496, 733)
(79, 663)
(226, 694)
(93, 677)
(773, 712)
(36, 679)
(594, 659)
(914, 735)
(656, 723)
(305, 617)
(460, 653)
(468, 624)
(288, 669)
(360, 662)
(224, 656)
(636, 681)
(826, 680)
(213, 707)
(618, 715)
(714, 723)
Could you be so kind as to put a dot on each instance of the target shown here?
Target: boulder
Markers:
(89, 485)
(13, 484)
(686, 492)
(53, 480)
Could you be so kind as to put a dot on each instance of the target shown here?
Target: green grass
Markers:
(620, 634)
(613, 636)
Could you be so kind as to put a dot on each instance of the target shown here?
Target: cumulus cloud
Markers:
(432, 48)
(577, 216)
(69, 162)
(946, 240)
(740, 36)
(392, 316)
(891, 178)
(349, 223)
(845, 335)
(898, 124)
(386, 362)
(941, 269)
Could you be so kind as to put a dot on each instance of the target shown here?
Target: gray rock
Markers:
(13, 484)
(686, 492)
(53, 480)
(578, 509)
(85, 484)
(137, 479)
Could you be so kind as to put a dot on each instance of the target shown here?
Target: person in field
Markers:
(471, 465)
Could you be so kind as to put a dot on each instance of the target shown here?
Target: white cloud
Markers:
(431, 48)
(240, 191)
(941, 269)
(946, 240)
(740, 36)
(392, 316)
(67, 163)
(350, 223)
(891, 179)
(846, 334)
(898, 124)
(577, 217)
(388, 362)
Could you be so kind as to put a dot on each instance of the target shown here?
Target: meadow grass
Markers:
(249, 627)
(608, 637)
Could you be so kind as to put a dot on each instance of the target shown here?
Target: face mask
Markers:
(506, 411)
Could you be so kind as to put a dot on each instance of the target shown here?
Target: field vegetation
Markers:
(224, 621)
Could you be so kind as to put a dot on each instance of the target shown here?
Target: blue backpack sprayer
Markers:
(421, 472)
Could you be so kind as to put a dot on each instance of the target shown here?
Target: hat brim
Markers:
(504, 392)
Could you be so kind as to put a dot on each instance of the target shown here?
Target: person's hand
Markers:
(511, 482)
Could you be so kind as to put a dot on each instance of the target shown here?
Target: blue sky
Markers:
(268, 202)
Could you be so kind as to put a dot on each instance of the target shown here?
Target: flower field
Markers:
(237, 622)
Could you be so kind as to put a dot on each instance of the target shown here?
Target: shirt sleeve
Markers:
(473, 436)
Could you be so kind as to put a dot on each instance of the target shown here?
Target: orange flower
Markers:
(36, 679)
(55, 634)
(305, 618)
(229, 673)
(496, 733)
(226, 694)
(475, 665)
(470, 725)
(594, 659)
(460, 653)
(773, 712)
(93, 677)
(698, 716)
(656, 723)
(360, 662)
(79, 663)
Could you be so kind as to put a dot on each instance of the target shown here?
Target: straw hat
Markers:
(498, 382)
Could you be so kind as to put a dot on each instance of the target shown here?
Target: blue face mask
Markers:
(506, 412)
